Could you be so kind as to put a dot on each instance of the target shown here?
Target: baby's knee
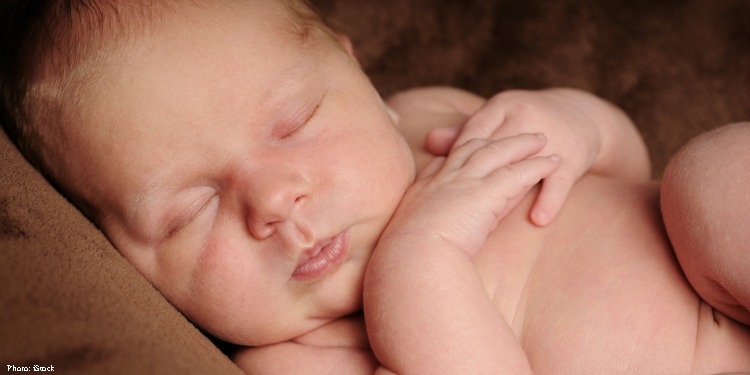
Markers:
(706, 181)
(708, 178)
(706, 207)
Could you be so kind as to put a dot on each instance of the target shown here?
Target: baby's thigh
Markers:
(705, 202)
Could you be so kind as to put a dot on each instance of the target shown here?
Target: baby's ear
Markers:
(346, 43)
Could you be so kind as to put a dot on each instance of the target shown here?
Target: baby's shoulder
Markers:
(420, 110)
(435, 99)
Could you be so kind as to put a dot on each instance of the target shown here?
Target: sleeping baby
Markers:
(235, 153)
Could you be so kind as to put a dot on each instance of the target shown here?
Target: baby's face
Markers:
(247, 177)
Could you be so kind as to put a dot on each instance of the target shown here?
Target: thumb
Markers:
(440, 141)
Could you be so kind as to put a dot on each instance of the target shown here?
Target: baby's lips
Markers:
(321, 259)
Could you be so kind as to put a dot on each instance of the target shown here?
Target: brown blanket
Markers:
(68, 300)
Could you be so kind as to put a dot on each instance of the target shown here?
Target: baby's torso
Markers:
(599, 290)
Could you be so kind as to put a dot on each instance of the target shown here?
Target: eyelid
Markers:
(188, 215)
(303, 123)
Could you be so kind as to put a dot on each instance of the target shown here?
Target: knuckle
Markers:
(557, 181)
(478, 127)
(489, 152)
(516, 173)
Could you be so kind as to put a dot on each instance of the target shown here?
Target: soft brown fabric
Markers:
(68, 299)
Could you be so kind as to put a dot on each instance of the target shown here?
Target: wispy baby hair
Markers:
(49, 49)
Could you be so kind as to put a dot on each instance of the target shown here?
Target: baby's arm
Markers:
(590, 134)
(426, 308)
(340, 347)
(293, 358)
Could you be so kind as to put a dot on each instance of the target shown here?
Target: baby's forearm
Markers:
(427, 312)
(338, 347)
(293, 358)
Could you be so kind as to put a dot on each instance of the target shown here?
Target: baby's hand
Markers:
(460, 198)
(561, 114)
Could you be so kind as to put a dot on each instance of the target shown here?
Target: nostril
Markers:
(261, 230)
(267, 212)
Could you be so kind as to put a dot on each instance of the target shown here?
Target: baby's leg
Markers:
(705, 200)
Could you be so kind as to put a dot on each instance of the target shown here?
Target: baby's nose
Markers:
(269, 211)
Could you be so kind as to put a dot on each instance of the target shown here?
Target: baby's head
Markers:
(232, 151)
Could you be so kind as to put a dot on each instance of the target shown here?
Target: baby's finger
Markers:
(515, 179)
(555, 189)
(495, 154)
(482, 124)
(512, 203)
(440, 141)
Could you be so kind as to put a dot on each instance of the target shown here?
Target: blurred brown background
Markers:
(677, 67)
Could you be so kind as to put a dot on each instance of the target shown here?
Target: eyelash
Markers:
(189, 219)
(302, 125)
(178, 227)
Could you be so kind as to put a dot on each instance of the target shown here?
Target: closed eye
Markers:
(190, 215)
(303, 123)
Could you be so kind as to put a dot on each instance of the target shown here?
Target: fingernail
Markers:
(539, 217)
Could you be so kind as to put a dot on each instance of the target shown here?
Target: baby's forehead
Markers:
(91, 28)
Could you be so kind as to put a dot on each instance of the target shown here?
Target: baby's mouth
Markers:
(318, 261)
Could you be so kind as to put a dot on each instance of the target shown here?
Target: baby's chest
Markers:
(612, 312)
(592, 295)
